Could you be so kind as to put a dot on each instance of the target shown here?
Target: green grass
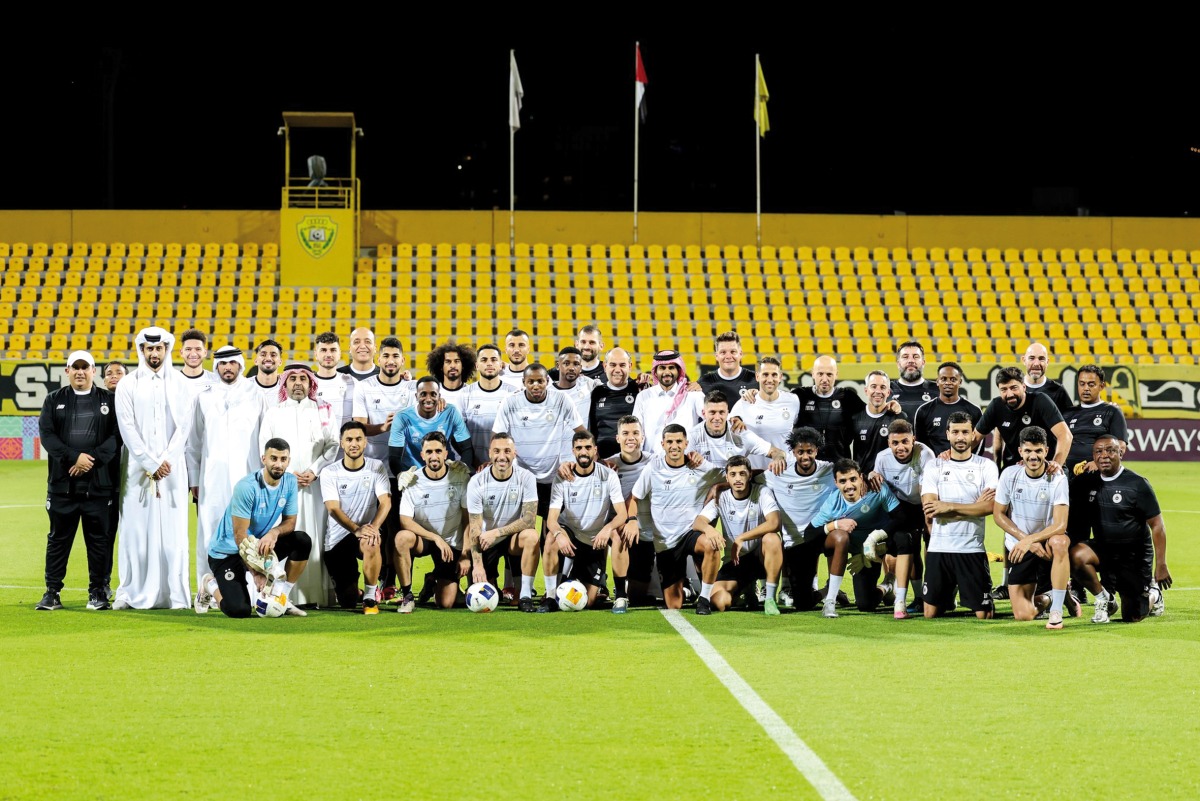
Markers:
(449, 705)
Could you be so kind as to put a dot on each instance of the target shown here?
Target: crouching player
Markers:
(587, 512)
(899, 469)
(1031, 508)
(358, 497)
(432, 524)
(1129, 539)
(264, 507)
(750, 519)
(867, 519)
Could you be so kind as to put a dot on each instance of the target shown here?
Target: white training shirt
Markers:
(799, 497)
(629, 473)
(651, 408)
(374, 401)
(338, 392)
(739, 516)
(675, 496)
(500, 501)
(719, 450)
(1030, 501)
(479, 407)
(904, 480)
(587, 502)
(538, 430)
(437, 504)
(357, 491)
(580, 396)
(771, 420)
(959, 482)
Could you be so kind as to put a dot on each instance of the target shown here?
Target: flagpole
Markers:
(637, 121)
(512, 180)
(757, 162)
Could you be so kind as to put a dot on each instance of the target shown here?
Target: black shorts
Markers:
(441, 570)
(641, 561)
(801, 564)
(1030, 570)
(1130, 567)
(904, 541)
(543, 492)
(492, 556)
(588, 563)
(966, 572)
(230, 572)
(342, 562)
(672, 563)
(748, 570)
(866, 596)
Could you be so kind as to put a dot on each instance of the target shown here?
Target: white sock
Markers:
(283, 587)
(510, 579)
(1057, 597)
(815, 585)
(551, 585)
(771, 591)
(211, 586)
(1102, 597)
(901, 598)
(369, 592)
(706, 591)
(526, 586)
(835, 584)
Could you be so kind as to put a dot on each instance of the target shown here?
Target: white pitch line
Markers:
(24, 506)
(827, 785)
(1182, 511)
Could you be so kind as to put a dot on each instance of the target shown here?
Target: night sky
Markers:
(920, 119)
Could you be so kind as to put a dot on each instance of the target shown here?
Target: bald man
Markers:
(829, 409)
(611, 401)
(362, 355)
(1036, 361)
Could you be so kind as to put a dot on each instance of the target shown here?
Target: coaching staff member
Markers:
(79, 432)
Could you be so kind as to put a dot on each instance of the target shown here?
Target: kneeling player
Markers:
(358, 497)
(1129, 539)
(1031, 508)
(750, 519)
(866, 519)
(264, 506)
(587, 512)
(432, 524)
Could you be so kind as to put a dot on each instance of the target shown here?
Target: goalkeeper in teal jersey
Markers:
(867, 517)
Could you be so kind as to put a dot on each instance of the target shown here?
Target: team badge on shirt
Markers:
(1098, 421)
(787, 415)
(1026, 419)
(1116, 497)
(925, 397)
(883, 431)
(103, 408)
(866, 507)
(837, 404)
(629, 399)
(971, 476)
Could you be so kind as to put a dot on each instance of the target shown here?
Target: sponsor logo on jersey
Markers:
(937, 421)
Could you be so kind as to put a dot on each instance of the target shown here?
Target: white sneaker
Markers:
(294, 610)
(785, 598)
(620, 606)
(889, 593)
(1157, 603)
(760, 591)
(829, 608)
(204, 598)
(1101, 615)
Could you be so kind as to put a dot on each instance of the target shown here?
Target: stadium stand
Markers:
(973, 305)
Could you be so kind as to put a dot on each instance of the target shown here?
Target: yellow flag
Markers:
(760, 106)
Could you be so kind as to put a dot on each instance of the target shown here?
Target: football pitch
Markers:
(451, 705)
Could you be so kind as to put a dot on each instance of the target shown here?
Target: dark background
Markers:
(931, 116)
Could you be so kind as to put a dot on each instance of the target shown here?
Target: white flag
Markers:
(516, 92)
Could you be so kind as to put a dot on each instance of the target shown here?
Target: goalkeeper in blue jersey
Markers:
(868, 518)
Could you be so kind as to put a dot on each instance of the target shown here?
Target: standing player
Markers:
(576, 387)
(633, 551)
(675, 490)
(410, 426)
(193, 349)
(829, 408)
(357, 496)
(516, 347)
(113, 373)
(870, 426)
(1091, 419)
(432, 524)
(900, 468)
(773, 413)
(611, 401)
(591, 346)
(912, 389)
(1031, 509)
(380, 397)
(750, 519)
(1014, 409)
(930, 422)
(362, 355)
(715, 440)
(453, 365)
(333, 387)
(263, 506)
(268, 357)
(957, 495)
(502, 510)
(480, 402)
(730, 378)
(667, 400)
(586, 514)
(1128, 537)
(800, 491)
(1036, 360)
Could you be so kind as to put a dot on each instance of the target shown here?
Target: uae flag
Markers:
(640, 84)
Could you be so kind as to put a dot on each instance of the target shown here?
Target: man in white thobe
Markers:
(222, 446)
(311, 429)
(154, 414)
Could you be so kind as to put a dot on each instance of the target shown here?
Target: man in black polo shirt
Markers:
(78, 428)
(931, 422)
(590, 345)
(870, 426)
(1013, 410)
(1119, 509)
(912, 389)
(611, 401)
(730, 378)
(1091, 419)
(829, 408)
(1036, 360)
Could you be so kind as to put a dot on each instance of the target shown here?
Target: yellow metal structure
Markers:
(319, 227)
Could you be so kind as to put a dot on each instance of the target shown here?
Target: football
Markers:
(482, 597)
(572, 596)
(270, 605)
